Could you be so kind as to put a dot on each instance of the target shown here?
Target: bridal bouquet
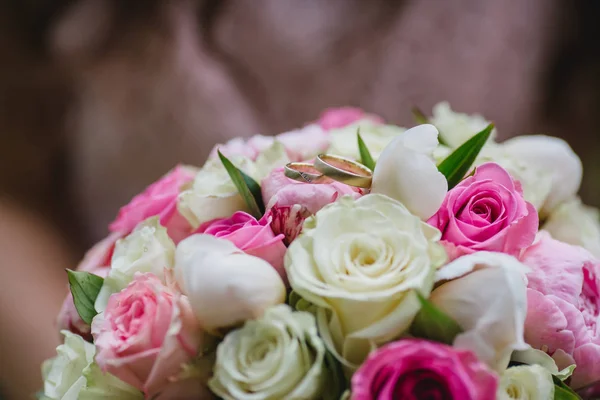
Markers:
(349, 259)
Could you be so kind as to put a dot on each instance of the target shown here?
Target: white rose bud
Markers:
(575, 223)
(526, 382)
(555, 156)
(225, 286)
(279, 356)
(486, 294)
(147, 249)
(406, 172)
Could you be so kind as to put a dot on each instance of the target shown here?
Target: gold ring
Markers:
(304, 172)
(344, 170)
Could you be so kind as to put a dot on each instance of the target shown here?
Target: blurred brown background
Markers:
(100, 97)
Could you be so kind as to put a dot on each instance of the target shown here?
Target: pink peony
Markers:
(563, 310)
(145, 334)
(420, 369)
(292, 201)
(253, 237)
(340, 117)
(160, 199)
(96, 261)
(486, 212)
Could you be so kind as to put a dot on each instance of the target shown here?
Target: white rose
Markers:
(147, 249)
(535, 180)
(63, 375)
(575, 223)
(526, 382)
(486, 294)
(101, 385)
(406, 172)
(532, 356)
(279, 356)
(366, 258)
(456, 128)
(376, 136)
(213, 194)
(225, 286)
(553, 155)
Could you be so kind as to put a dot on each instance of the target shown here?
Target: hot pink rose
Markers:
(563, 306)
(420, 369)
(95, 261)
(253, 237)
(340, 117)
(486, 211)
(299, 144)
(292, 201)
(160, 199)
(145, 334)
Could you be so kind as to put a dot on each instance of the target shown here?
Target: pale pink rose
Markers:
(563, 306)
(95, 261)
(486, 212)
(420, 369)
(146, 334)
(300, 144)
(292, 201)
(159, 199)
(253, 237)
(340, 117)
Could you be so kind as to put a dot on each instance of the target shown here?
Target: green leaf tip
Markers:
(365, 155)
(84, 287)
(248, 188)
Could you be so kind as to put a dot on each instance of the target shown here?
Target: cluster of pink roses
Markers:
(151, 328)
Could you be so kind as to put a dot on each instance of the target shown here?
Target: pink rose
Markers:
(420, 369)
(292, 201)
(486, 212)
(563, 306)
(340, 117)
(299, 144)
(145, 334)
(160, 199)
(95, 261)
(253, 237)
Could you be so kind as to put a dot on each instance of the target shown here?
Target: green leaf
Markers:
(457, 164)
(365, 154)
(562, 391)
(84, 288)
(432, 323)
(419, 117)
(248, 188)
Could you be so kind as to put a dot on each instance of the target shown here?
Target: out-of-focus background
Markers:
(98, 98)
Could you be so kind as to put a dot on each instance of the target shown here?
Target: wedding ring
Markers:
(304, 172)
(344, 170)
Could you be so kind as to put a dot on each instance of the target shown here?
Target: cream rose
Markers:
(526, 382)
(147, 249)
(375, 135)
(575, 223)
(363, 257)
(456, 128)
(279, 356)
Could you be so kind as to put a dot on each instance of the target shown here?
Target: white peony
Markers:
(485, 293)
(376, 136)
(366, 258)
(147, 249)
(456, 128)
(575, 223)
(526, 382)
(406, 172)
(279, 356)
(224, 285)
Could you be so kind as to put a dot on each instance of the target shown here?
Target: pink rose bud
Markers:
(333, 118)
(420, 369)
(486, 212)
(292, 201)
(146, 334)
(160, 199)
(251, 236)
(563, 306)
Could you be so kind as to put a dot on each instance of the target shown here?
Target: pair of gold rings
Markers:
(328, 168)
